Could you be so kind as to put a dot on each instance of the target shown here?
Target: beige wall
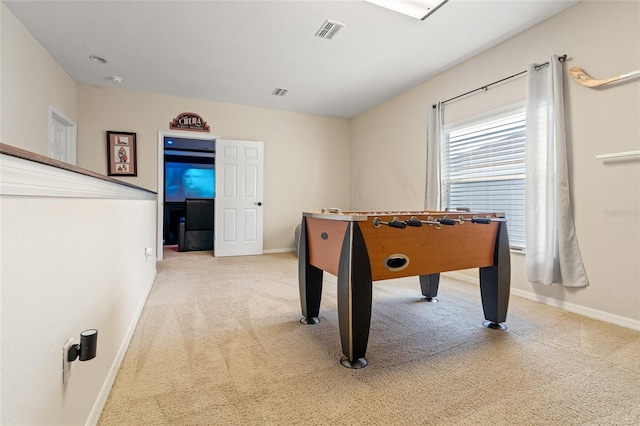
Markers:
(388, 142)
(306, 156)
(68, 265)
(32, 82)
(377, 159)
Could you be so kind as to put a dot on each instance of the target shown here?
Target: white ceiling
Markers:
(240, 51)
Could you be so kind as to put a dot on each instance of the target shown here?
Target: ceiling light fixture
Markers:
(116, 79)
(98, 59)
(419, 9)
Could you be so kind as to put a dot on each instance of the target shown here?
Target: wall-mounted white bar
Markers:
(618, 155)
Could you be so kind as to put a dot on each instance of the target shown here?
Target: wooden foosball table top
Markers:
(405, 243)
(337, 214)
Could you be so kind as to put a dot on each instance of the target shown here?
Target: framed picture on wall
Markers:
(121, 154)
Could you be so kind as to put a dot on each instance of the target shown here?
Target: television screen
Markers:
(188, 180)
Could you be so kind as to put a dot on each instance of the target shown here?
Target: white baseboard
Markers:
(567, 306)
(284, 250)
(98, 406)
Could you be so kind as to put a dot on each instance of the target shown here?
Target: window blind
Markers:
(483, 168)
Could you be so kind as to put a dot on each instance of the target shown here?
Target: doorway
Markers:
(189, 172)
(238, 191)
(178, 150)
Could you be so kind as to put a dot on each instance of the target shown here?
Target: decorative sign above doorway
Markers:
(189, 121)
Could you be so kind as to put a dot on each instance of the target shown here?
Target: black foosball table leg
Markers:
(354, 298)
(429, 287)
(309, 281)
(495, 282)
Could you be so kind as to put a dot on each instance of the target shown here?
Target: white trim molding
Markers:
(23, 177)
(561, 304)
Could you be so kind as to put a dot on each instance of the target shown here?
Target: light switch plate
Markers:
(66, 365)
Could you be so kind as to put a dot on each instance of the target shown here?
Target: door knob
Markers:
(259, 203)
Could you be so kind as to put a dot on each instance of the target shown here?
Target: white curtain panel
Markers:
(434, 142)
(553, 255)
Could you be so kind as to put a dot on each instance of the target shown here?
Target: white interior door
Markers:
(239, 189)
(62, 137)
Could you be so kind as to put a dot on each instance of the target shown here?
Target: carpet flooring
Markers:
(220, 343)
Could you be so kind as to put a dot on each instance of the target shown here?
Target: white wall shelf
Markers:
(618, 155)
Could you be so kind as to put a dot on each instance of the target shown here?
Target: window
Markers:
(483, 167)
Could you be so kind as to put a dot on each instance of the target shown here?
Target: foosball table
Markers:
(361, 247)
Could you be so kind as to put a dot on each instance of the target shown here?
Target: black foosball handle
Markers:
(394, 223)
(446, 221)
(414, 222)
(482, 220)
(397, 224)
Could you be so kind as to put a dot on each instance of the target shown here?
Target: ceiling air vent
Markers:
(280, 92)
(329, 29)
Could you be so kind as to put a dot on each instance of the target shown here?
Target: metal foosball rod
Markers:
(415, 222)
(482, 220)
